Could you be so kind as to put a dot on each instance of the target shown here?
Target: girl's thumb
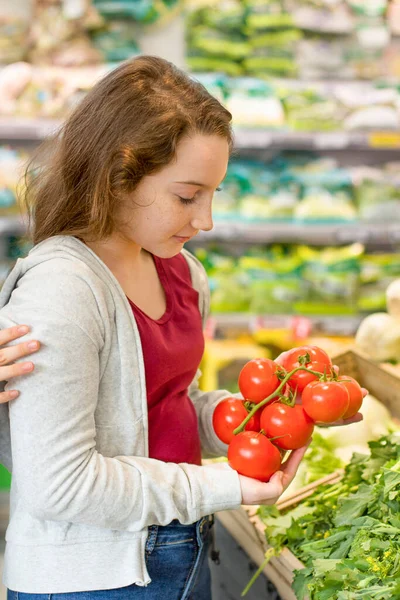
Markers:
(277, 478)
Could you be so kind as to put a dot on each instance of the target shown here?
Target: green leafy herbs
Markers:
(347, 534)
(321, 459)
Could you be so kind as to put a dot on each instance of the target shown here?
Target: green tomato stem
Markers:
(274, 394)
(268, 555)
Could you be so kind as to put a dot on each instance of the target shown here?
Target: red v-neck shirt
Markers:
(172, 349)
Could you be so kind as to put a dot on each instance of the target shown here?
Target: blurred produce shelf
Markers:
(308, 233)
(12, 225)
(25, 129)
(330, 325)
(314, 234)
(335, 140)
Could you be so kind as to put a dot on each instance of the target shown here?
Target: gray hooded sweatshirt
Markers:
(84, 490)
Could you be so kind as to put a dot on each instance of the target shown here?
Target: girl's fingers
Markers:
(10, 354)
(16, 370)
(8, 396)
(365, 392)
(356, 419)
(290, 466)
(12, 333)
(279, 359)
(275, 488)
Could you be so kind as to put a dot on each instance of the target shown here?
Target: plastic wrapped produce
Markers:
(320, 205)
(142, 11)
(332, 276)
(272, 38)
(275, 285)
(116, 41)
(310, 110)
(324, 16)
(253, 103)
(394, 17)
(378, 272)
(215, 38)
(13, 39)
(368, 8)
(377, 193)
(11, 171)
(59, 38)
(14, 79)
(322, 57)
(275, 206)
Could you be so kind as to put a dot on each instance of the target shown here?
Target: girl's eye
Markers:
(187, 200)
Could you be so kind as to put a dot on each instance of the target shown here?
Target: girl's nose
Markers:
(202, 219)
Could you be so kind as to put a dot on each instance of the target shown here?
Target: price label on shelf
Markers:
(384, 139)
(301, 328)
(210, 328)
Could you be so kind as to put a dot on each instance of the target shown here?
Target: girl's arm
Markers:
(205, 403)
(57, 469)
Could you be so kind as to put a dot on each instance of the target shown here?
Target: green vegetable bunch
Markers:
(347, 534)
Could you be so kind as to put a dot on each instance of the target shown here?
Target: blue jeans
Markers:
(177, 562)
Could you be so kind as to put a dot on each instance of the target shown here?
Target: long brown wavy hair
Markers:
(128, 126)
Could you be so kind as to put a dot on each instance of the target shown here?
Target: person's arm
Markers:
(59, 473)
(205, 403)
(10, 369)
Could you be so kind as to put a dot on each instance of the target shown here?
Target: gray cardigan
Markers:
(84, 490)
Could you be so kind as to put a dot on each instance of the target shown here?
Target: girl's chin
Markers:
(166, 252)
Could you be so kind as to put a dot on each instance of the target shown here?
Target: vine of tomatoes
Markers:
(282, 403)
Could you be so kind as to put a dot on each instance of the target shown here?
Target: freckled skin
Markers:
(153, 214)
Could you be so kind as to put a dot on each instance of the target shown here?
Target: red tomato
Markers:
(253, 455)
(355, 393)
(228, 415)
(318, 361)
(292, 422)
(325, 401)
(258, 379)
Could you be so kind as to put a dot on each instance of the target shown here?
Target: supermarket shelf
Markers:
(314, 234)
(335, 140)
(12, 225)
(328, 324)
(24, 129)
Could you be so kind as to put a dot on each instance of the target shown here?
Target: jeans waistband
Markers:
(205, 523)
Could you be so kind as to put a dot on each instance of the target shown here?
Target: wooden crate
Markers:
(379, 380)
(245, 525)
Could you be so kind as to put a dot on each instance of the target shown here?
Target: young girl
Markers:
(109, 498)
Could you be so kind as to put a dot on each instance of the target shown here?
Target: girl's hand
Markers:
(9, 354)
(257, 492)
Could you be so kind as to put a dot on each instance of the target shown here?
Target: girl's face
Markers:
(169, 208)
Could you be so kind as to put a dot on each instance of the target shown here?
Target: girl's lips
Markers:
(182, 239)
